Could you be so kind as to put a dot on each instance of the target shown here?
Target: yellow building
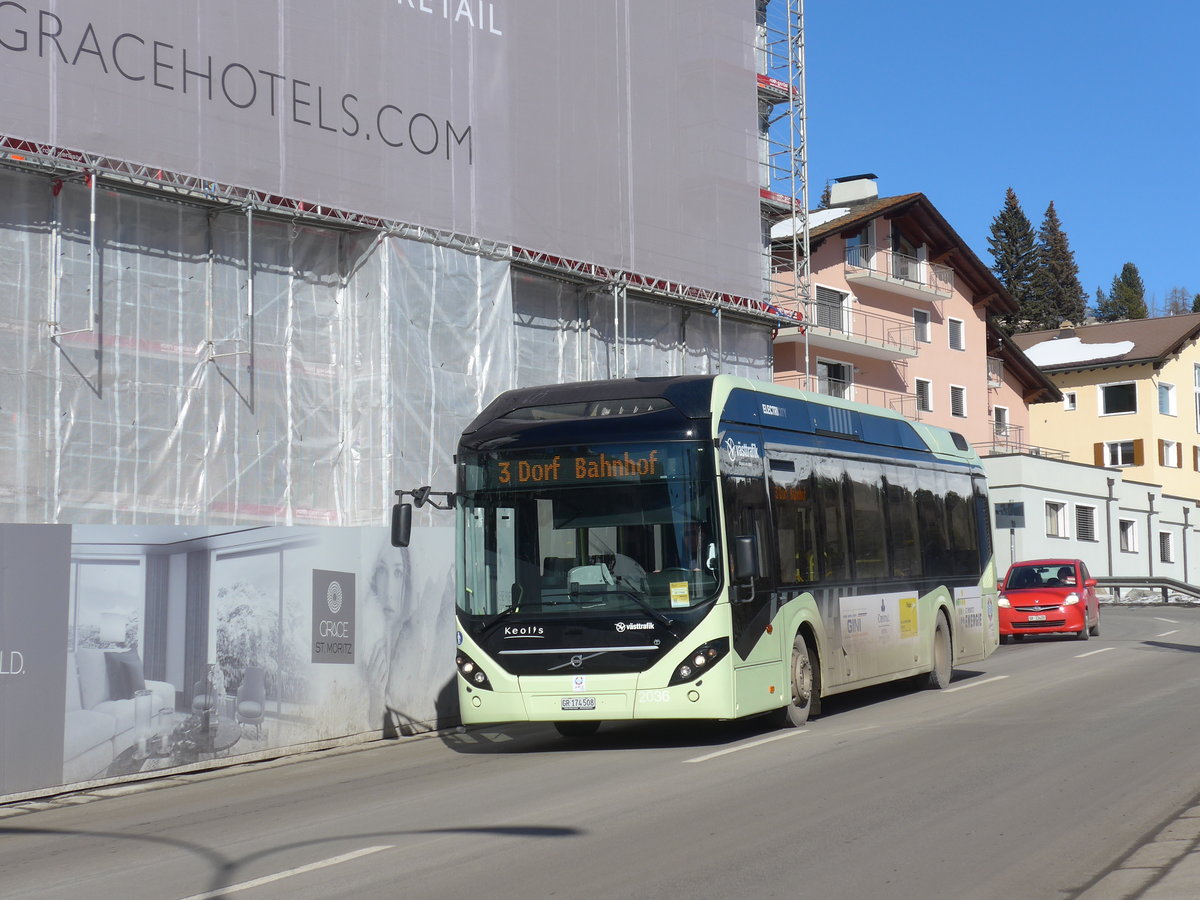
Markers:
(1131, 397)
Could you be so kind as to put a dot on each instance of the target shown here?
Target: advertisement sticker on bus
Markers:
(741, 452)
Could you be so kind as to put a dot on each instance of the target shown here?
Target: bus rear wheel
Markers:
(805, 685)
(577, 729)
(943, 659)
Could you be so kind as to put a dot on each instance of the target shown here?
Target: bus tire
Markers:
(942, 668)
(805, 686)
(577, 729)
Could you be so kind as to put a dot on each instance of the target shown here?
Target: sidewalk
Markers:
(1167, 867)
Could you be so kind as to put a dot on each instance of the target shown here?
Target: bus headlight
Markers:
(474, 675)
(700, 661)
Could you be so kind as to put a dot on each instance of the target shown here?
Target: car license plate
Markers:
(578, 702)
(1038, 618)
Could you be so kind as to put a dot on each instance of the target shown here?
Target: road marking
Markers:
(963, 687)
(1168, 633)
(287, 873)
(774, 737)
(1094, 652)
(1168, 621)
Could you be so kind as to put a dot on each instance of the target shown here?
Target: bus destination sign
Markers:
(581, 466)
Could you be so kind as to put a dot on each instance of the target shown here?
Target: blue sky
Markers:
(1094, 106)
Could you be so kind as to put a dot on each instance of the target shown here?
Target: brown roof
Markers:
(945, 246)
(1118, 343)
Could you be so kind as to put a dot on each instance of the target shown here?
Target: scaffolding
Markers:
(783, 189)
(783, 193)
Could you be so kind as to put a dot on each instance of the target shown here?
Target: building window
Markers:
(1168, 454)
(1056, 519)
(830, 309)
(1128, 531)
(1166, 547)
(1085, 523)
(924, 389)
(955, 329)
(1196, 382)
(1166, 400)
(1119, 453)
(921, 325)
(1118, 399)
(1000, 421)
(1070, 403)
(958, 401)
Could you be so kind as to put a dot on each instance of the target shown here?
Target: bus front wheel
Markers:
(805, 686)
(943, 660)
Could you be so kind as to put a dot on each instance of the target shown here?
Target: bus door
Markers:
(753, 599)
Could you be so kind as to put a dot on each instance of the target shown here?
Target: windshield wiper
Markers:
(497, 619)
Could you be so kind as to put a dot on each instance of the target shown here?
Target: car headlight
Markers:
(1003, 601)
(1071, 600)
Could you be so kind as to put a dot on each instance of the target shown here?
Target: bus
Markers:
(708, 547)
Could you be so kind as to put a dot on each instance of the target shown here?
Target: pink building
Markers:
(901, 316)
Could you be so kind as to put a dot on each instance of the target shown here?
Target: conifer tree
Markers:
(1055, 292)
(1196, 303)
(1126, 297)
(1014, 255)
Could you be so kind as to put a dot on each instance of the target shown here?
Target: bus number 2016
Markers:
(654, 697)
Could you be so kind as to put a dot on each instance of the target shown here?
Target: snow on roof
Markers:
(1064, 351)
(787, 226)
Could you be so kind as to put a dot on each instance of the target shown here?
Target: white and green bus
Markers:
(709, 547)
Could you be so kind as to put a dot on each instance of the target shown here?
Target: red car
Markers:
(1045, 596)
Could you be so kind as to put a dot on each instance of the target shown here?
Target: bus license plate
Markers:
(578, 702)
(1040, 618)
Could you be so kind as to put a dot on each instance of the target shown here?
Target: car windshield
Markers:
(1042, 575)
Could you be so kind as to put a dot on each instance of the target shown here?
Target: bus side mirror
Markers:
(745, 558)
(401, 524)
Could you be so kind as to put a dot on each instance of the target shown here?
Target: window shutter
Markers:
(1139, 453)
(1196, 458)
(1098, 449)
(1162, 452)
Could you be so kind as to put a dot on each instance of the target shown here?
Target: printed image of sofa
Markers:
(99, 720)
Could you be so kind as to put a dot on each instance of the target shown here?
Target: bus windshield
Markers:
(590, 530)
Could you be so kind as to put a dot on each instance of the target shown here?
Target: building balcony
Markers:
(905, 404)
(898, 273)
(852, 331)
(1008, 439)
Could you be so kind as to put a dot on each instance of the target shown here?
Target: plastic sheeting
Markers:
(215, 367)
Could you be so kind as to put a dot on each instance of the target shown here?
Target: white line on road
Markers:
(1167, 633)
(963, 687)
(1094, 652)
(299, 870)
(774, 737)
(1168, 621)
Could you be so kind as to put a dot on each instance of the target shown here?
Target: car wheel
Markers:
(1094, 631)
(1082, 634)
(943, 659)
(805, 686)
(577, 729)
(1006, 638)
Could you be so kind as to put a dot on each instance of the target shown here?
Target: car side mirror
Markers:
(401, 524)
(1090, 582)
(745, 558)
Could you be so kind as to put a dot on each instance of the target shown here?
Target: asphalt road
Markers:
(1031, 777)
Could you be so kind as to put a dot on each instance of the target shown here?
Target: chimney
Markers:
(853, 189)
